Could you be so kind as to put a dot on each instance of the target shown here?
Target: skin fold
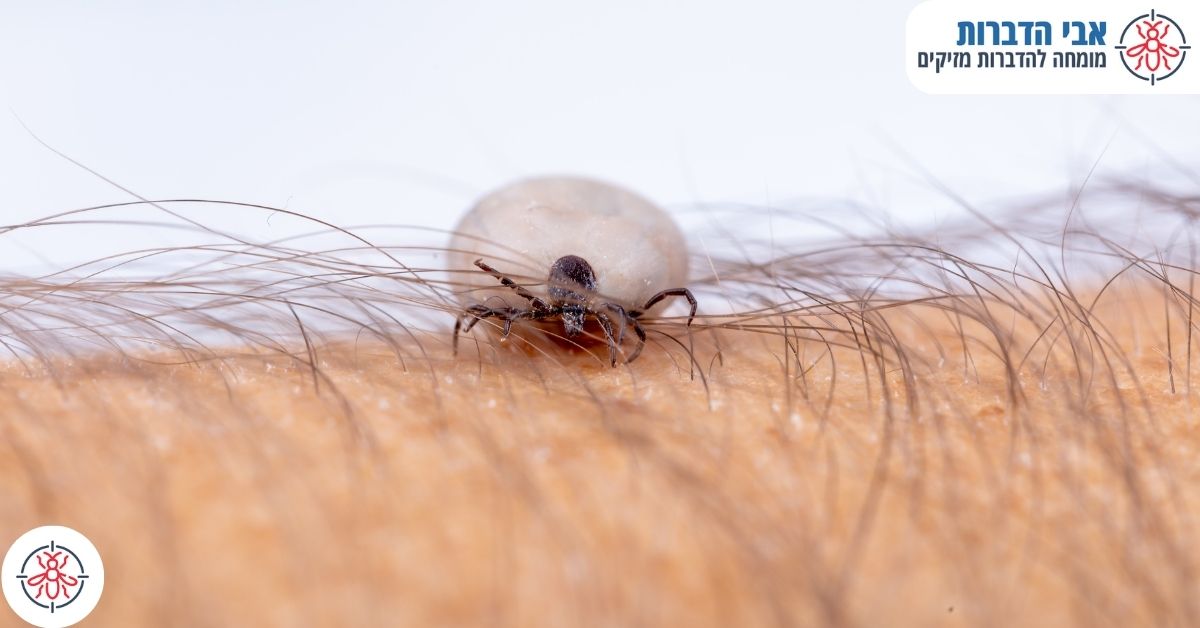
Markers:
(734, 477)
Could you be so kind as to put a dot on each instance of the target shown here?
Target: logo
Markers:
(1060, 47)
(1153, 47)
(52, 577)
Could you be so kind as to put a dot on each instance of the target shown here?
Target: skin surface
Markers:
(511, 487)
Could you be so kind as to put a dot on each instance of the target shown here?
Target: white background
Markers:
(403, 112)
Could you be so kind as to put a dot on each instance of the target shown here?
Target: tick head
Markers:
(572, 281)
(572, 318)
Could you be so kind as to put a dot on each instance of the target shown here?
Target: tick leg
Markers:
(472, 312)
(511, 315)
(477, 313)
(537, 303)
(473, 315)
(641, 334)
(606, 323)
(673, 292)
(624, 317)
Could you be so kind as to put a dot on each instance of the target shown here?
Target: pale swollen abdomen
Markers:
(633, 246)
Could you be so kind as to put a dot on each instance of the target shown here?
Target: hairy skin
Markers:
(508, 487)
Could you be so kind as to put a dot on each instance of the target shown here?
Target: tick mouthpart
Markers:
(573, 318)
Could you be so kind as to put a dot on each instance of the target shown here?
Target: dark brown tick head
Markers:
(572, 281)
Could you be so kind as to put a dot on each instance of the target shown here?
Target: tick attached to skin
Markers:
(612, 256)
(572, 289)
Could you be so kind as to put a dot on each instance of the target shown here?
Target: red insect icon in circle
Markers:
(52, 582)
(1153, 52)
(52, 576)
(1153, 47)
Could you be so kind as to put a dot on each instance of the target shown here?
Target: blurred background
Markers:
(404, 112)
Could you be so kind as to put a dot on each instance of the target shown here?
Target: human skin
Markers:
(528, 483)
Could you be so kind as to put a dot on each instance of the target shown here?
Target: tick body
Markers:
(561, 251)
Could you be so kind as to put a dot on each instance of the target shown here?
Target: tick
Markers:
(606, 253)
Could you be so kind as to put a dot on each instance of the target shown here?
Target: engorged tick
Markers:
(611, 256)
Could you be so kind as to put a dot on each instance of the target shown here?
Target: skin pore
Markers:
(979, 444)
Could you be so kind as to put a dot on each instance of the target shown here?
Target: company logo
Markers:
(1153, 47)
(1060, 47)
(52, 577)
